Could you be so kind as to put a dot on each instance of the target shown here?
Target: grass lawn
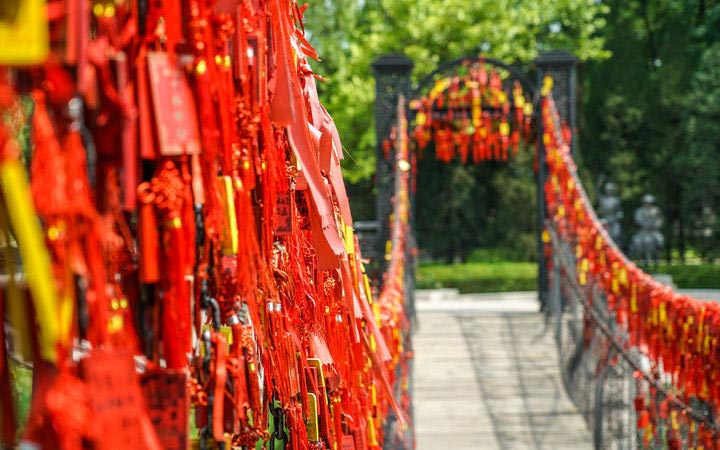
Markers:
(694, 276)
(504, 276)
(479, 276)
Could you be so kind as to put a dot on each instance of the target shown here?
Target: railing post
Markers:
(561, 66)
(392, 78)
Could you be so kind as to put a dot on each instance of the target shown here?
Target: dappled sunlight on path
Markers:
(487, 376)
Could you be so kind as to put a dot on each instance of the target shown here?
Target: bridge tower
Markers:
(392, 79)
(561, 66)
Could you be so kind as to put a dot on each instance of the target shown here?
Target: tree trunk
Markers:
(652, 48)
(669, 240)
(681, 237)
(449, 256)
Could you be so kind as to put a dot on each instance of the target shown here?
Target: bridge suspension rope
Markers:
(639, 359)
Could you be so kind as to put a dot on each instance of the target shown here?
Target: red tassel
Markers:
(47, 171)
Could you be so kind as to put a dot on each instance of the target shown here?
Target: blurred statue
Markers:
(610, 212)
(647, 243)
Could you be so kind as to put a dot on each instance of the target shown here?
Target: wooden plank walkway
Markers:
(487, 376)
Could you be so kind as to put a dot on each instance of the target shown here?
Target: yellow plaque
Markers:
(311, 426)
(230, 231)
(34, 254)
(23, 32)
(317, 364)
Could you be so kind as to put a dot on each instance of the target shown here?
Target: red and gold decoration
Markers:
(479, 116)
(675, 334)
(172, 186)
(391, 301)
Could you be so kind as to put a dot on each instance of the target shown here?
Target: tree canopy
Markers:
(650, 113)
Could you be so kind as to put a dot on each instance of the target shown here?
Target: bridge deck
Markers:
(487, 376)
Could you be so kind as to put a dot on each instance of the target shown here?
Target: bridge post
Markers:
(392, 79)
(561, 66)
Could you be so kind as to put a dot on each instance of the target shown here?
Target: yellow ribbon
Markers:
(35, 256)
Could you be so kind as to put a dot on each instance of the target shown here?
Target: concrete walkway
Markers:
(487, 376)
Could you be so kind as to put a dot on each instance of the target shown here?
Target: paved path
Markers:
(486, 376)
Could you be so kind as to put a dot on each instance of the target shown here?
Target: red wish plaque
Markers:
(284, 214)
(361, 438)
(348, 443)
(168, 403)
(117, 402)
(173, 106)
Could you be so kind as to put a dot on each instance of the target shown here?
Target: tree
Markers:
(636, 107)
(450, 211)
(700, 162)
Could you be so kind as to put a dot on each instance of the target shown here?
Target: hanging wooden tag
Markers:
(348, 443)
(173, 105)
(23, 32)
(317, 365)
(311, 425)
(361, 436)
(284, 214)
(168, 407)
(230, 234)
(117, 402)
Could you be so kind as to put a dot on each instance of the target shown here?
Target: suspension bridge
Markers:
(602, 355)
(181, 268)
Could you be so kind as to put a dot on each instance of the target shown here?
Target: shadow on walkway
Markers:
(487, 376)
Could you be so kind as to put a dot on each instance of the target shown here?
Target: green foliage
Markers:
(513, 222)
(506, 276)
(650, 113)
(449, 212)
(479, 277)
(693, 276)
(702, 127)
(21, 382)
(498, 254)
(489, 205)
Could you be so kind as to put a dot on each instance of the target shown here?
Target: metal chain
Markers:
(278, 426)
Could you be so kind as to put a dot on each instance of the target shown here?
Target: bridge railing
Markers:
(395, 301)
(638, 359)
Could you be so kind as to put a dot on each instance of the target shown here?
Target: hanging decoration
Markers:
(393, 297)
(185, 237)
(675, 336)
(479, 116)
